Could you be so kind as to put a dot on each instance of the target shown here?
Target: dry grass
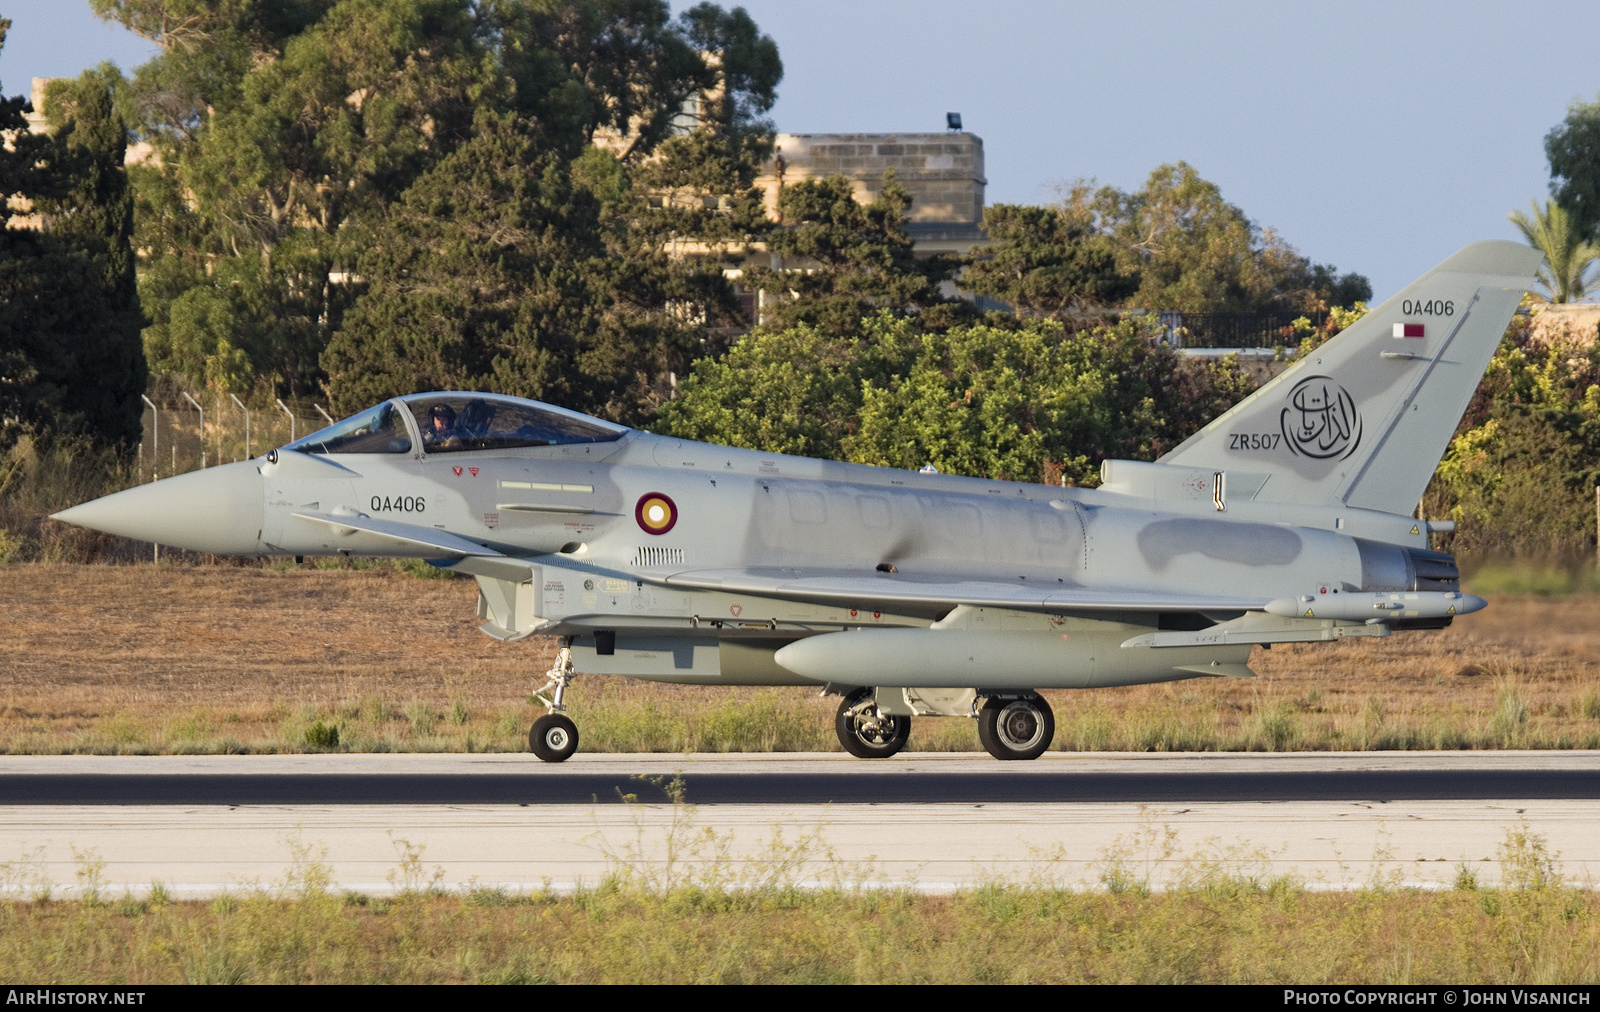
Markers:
(987, 936)
(212, 658)
(1222, 925)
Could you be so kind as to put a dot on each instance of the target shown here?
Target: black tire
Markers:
(1016, 728)
(553, 738)
(866, 738)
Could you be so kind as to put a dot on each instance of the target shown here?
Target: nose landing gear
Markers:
(554, 737)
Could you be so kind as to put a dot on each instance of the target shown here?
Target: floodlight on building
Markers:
(952, 120)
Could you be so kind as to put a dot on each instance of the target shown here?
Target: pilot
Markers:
(441, 430)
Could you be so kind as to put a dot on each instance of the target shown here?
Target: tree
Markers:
(95, 213)
(70, 356)
(1039, 402)
(1029, 402)
(794, 391)
(1046, 261)
(289, 128)
(1573, 149)
(1567, 256)
(838, 261)
(1197, 253)
(496, 270)
(695, 198)
(1520, 476)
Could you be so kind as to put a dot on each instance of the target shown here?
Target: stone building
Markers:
(1574, 326)
(942, 171)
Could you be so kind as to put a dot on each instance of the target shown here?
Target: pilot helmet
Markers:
(442, 413)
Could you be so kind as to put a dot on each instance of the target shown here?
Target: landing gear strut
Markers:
(867, 733)
(554, 736)
(1018, 728)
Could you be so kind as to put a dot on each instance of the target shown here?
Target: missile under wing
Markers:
(906, 593)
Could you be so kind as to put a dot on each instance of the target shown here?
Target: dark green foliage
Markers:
(290, 120)
(787, 391)
(1197, 253)
(840, 260)
(51, 295)
(1535, 493)
(70, 355)
(747, 67)
(321, 735)
(498, 270)
(1028, 403)
(1573, 149)
(304, 142)
(1046, 261)
(1520, 476)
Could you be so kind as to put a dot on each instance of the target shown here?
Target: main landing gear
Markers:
(865, 731)
(1010, 727)
(1019, 728)
(554, 736)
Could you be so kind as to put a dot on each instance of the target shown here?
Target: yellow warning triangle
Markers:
(1308, 613)
(1452, 610)
(1414, 529)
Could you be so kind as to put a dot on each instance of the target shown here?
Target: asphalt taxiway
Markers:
(203, 824)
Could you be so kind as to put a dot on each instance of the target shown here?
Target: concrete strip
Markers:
(908, 763)
(203, 851)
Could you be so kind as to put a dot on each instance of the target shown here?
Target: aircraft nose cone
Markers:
(217, 510)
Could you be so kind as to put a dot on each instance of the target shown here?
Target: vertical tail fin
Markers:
(1365, 418)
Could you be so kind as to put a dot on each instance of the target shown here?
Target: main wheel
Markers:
(553, 737)
(1016, 728)
(867, 734)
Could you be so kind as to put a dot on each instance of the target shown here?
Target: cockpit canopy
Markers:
(375, 430)
(451, 422)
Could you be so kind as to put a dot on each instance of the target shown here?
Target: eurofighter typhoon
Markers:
(1285, 520)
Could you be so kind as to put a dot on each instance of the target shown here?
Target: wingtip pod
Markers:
(1378, 607)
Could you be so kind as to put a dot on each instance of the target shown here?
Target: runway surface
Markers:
(787, 779)
(206, 824)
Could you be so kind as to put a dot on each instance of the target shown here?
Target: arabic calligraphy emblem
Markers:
(1321, 420)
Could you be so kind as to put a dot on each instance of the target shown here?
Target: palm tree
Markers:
(1567, 255)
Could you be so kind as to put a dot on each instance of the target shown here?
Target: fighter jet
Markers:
(908, 594)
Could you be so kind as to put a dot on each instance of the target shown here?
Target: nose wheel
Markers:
(867, 733)
(554, 737)
(1016, 728)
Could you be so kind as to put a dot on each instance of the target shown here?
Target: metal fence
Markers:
(185, 431)
(1234, 330)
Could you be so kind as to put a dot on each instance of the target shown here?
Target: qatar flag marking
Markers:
(1408, 330)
